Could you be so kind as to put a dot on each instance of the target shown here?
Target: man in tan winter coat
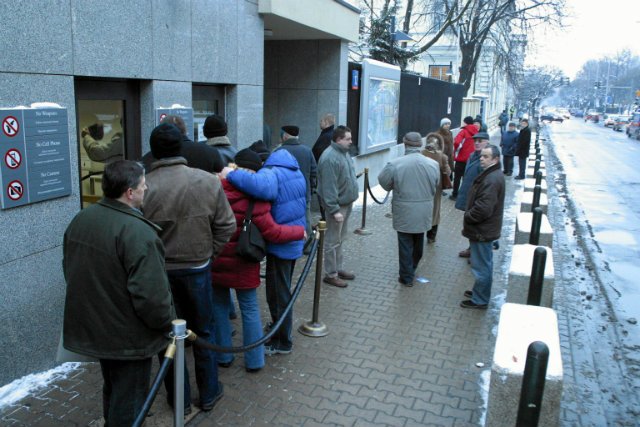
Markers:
(196, 220)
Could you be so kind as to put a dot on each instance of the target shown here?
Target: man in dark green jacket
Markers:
(118, 304)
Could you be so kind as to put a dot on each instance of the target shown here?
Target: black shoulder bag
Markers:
(251, 244)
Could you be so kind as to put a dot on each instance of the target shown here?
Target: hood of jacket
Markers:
(283, 159)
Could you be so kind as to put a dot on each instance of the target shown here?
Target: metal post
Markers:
(537, 166)
(538, 176)
(363, 230)
(535, 372)
(534, 235)
(179, 329)
(315, 328)
(537, 190)
(537, 276)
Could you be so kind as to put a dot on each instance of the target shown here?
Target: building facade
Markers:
(112, 65)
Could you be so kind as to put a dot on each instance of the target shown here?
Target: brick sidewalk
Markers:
(394, 356)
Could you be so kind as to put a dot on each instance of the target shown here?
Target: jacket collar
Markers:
(327, 129)
(219, 141)
(168, 161)
(339, 147)
(292, 141)
(488, 171)
(127, 210)
(411, 150)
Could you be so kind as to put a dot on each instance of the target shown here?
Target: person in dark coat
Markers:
(280, 182)
(522, 151)
(231, 271)
(508, 144)
(463, 146)
(447, 138)
(327, 125)
(215, 130)
(306, 162)
(198, 155)
(483, 224)
(118, 305)
(503, 119)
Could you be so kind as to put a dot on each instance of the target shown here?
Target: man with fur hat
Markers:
(433, 150)
(196, 220)
(414, 179)
(306, 162)
(215, 130)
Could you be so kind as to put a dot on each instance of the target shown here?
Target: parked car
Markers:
(592, 116)
(551, 117)
(621, 123)
(609, 120)
(633, 128)
(578, 113)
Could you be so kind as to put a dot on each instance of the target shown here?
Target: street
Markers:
(596, 178)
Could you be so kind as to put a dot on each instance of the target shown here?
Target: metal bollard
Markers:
(537, 276)
(538, 176)
(535, 371)
(537, 190)
(315, 328)
(536, 222)
(363, 230)
(537, 166)
(539, 157)
(179, 330)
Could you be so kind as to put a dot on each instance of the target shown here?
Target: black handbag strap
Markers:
(249, 213)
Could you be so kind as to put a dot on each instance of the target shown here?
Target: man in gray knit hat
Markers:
(413, 179)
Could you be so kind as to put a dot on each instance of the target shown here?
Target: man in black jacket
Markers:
(482, 225)
(327, 125)
(524, 142)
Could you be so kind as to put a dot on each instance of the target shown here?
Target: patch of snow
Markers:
(485, 379)
(23, 387)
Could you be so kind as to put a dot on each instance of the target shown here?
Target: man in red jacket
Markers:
(463, 147)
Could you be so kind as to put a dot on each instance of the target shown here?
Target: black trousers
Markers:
(507, 162)
(410, 247)
(522, 166)
(278, 286)
(459, 168)
(126, 384)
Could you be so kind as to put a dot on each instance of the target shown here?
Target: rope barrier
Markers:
(366, 183)
(157, 382)
(196, 340)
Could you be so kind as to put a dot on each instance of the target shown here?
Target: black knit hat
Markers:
(261, 148)
(214, 126)
(291, 130)
(165, 141)
(248, 159)
(468, 120)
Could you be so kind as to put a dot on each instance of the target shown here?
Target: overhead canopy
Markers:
(309, 19)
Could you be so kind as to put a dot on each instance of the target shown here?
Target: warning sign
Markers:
(13, 159)
(15, 190)
(10, 126)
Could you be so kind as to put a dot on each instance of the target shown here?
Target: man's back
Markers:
(305, 159)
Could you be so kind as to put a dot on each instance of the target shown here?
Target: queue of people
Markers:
(168, 244)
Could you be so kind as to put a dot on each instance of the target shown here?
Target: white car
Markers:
(610, 121)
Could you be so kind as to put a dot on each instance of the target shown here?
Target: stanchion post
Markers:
(536, 222)
(535, 371)
(537, 190)
(315, 328)
(179, 329)
(538, 175)
(537, 166)
(363, 227)
(537, 276)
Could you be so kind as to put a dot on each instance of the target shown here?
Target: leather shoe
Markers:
(465, 254)
(334, 281)
(468, 294)
(206, 407)
(345, 275)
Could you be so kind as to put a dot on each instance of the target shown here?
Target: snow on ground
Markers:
(23, 387)
(485, 379)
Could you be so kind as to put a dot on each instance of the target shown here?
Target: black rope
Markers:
(374, 197)
(162, 372)
(296, 292)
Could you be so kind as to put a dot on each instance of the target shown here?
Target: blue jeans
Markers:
(251, 324)
(410, 246)
(278, 280)
(192, 296)
(482, 269)
(126, 384)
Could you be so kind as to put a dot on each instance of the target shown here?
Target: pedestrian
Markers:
(261, 149)
(338, 189)
(327, 124)
(99, 149)
(414, 179)
(306, 163)
(473, 169)
(118, 305)
(463, 146)
(196, 220)
(482, 225)
(434, 150)
(508, 144)
(511, 111)
(503, 119)
(447, 137)
(231, 271)
(280, 182)
(215, 130)
(522, 150)
(198, 155)
(482, 127)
